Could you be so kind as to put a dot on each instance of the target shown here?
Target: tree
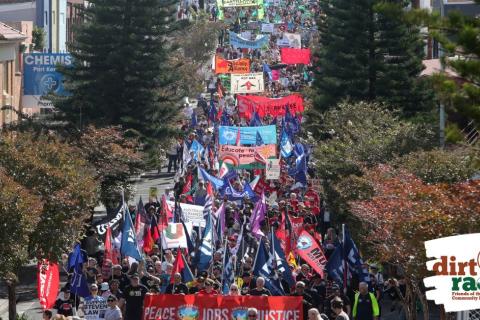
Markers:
(355, 136)
(115, 159)
(440, 166)
(459, 37)
(369, 51)
(400, 51)
(59, 186)
(17, 201)
(121, 73)
(343, 60)
(38, 39)
(404, 212)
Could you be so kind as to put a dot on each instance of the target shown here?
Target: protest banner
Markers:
(239, 3)
(309, 250)
(174, 235)
(247, 83)
(153, 192)
(231, 66)
(272, 171)
(206, 307)
(248, 135)
(275, 107)
(48, 280)
(268, 27)
(294, 40)
(95, 309)
(238, 42)
(283, 43)
(295, 56)
(244, 157)
(192, 213)
(113, 223)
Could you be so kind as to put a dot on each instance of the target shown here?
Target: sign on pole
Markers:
(41, 77)
(272, 170)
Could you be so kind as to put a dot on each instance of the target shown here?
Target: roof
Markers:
(8, 33)
(433, 66)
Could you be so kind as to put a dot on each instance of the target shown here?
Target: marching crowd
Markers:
(244, 211)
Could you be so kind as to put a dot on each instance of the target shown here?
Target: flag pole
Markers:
(345, 265)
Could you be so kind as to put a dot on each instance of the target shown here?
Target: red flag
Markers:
(237, 141)
(148, 242)
(178, 265)
(48, 280)
(209, 189)
(309, 250)
(167, 211)
(187, 187)
(110, 253)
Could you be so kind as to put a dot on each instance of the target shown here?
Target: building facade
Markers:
(11, 47)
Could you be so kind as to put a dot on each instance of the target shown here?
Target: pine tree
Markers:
(120, 74)
(368, 52)
(343, 58)
(399, 50)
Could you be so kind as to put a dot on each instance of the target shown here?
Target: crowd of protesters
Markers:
(125, 284)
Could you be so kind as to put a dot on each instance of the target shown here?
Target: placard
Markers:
(248, 83)
(272, 170)
(95, 309)
(192, 213)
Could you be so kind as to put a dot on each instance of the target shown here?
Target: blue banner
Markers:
(248, 135)
(40, 74)
(238, 42)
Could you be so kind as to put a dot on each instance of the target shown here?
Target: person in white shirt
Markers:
(113, 311)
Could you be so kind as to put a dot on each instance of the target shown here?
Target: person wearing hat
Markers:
(337, 307)
(199, 284)
(134, 294)
(208, 290)
(122, 278)
(104, 288)
(337, 293)
(64, 305)
(249, 282)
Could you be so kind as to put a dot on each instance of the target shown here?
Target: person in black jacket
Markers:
(177, 287)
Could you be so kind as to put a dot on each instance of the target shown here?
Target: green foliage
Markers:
(121, 73)
(20, 211)
(459, 36)
(440, 166)
(38, 38)
(358, 136)
(453, 134)
(369, 51)
(114, 157)
(53, 174)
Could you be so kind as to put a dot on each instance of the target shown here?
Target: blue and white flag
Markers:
(197, 150)
(129, 245)
(262, 268)
(228, 275)
(280, 262)
(216, 182)
(206, 247)
(78, 282)
(286, 147)
(248, 135)
(353, 258)
(268, 71)
(335, 266)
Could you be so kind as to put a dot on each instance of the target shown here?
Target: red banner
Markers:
(295, 56)
(205, 307)
(297, 224)
(247, 105)
(48, 280)
(232, 66)
(309, 250)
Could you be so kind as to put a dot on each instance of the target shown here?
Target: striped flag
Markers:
(206, 248)
(208, 200)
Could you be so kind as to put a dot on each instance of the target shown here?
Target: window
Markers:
(7, 77)
(46, 18)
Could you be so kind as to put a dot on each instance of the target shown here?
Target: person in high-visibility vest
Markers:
(365, 306)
